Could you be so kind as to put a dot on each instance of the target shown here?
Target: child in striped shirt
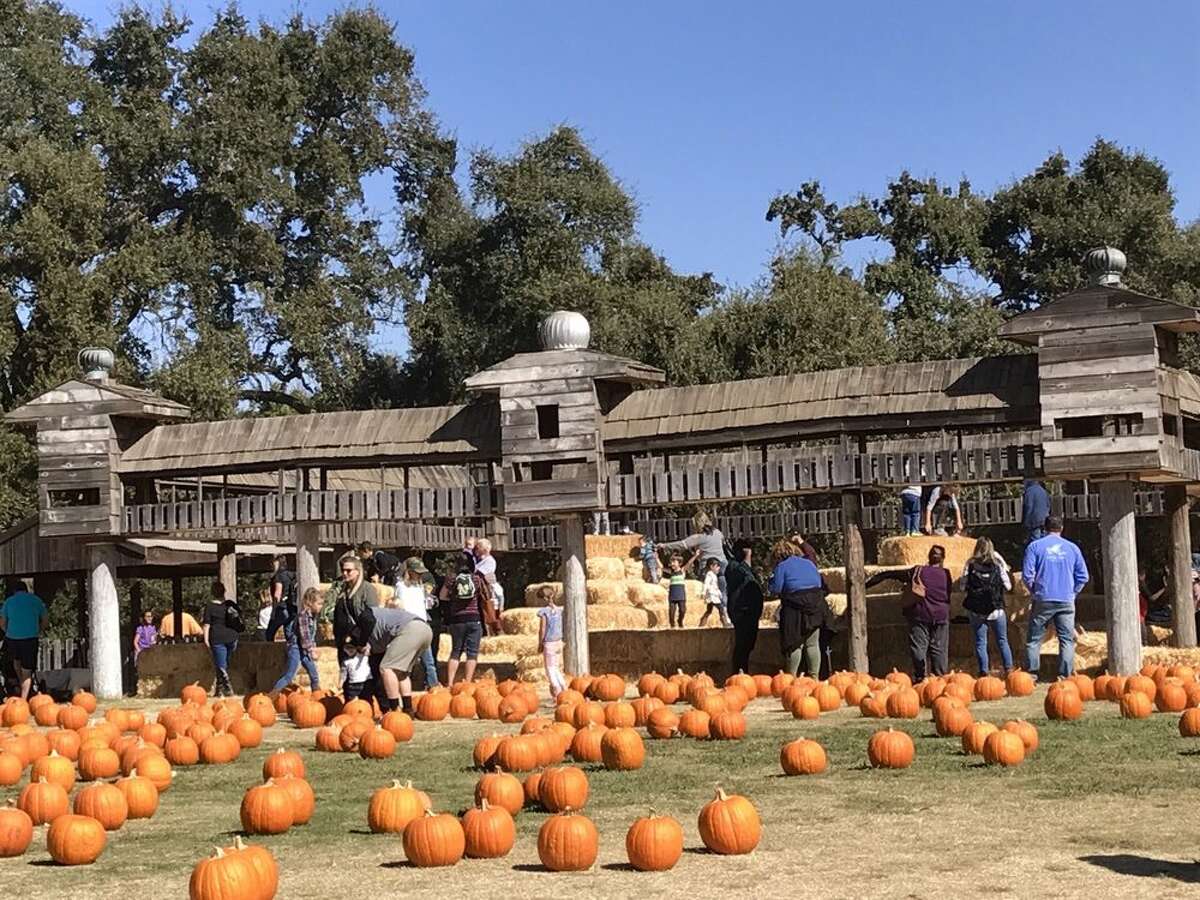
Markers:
(676, 593)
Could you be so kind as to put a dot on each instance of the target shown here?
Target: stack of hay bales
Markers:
(899, 552)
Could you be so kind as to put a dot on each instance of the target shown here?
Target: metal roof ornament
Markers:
(96, 363)
(1105, 265)
(565, 330)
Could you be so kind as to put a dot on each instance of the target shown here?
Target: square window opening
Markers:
(547, 421)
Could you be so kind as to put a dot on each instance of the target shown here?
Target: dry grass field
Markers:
(1105, 807)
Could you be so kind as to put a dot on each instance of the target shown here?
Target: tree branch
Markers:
(280, 397)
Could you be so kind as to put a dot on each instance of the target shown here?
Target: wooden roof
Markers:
(1002, 388)
(421, 434)
(524, 367)
(78, 397)
(1100, 306)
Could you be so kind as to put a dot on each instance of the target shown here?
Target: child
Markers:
(356, 672)
(677, 593)
(712, 593)
(649, 559)
(550, 640)
(301, 639)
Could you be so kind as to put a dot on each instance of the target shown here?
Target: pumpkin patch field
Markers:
(855, 787)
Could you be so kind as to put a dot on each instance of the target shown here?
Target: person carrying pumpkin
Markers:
(801, 591)
(927, 608)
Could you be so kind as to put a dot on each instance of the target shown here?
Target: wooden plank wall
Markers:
(78, 452)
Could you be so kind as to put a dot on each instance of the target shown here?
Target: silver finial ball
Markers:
(1105, 265)
(565, 330)
(96, 363)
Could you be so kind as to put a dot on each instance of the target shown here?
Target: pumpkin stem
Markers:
(237, 842)
(484, 805)
(721, 795)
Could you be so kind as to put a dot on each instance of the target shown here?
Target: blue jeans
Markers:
(294, 660)
(1063, 616)
(430, 664)
(221, 654)
(910, 513)
(999, 627)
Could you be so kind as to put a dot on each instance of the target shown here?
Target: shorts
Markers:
(464, 638)
(402, 651)
(681, 597)
(24, 652)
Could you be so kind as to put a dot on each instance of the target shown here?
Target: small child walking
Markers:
(712, 593)
(550, 640)
(356, 672)
(677, 593)
(650, 560)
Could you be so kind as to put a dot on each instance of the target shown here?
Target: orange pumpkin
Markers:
(1003, 748)
(74, 840)
(304, 801)
(802, 757)
(662, 723)
(1064, 704)
(622, 749)
(181, 751)
(585, 746)
(54, 769)
(890, 750)
(392, 808)
(400, 724)
(283, 762)
(141, 796)
(568, 842)
(488, 831)
(434, 839)
(98, 762)
(103, 802)
(267, 809)
(654, 843)
(42, 801)
(378, 743)
(729, 824)
(16, 831)
(903, 704)
(694, 723)
(1136, 705)
(501, 789)
(975, 735)
(433, 707)
(727, 726)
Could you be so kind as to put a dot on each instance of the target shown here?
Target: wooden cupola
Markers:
(551, 405)
(83, 426)
(1108, 372)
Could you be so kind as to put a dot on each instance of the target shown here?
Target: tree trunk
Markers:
(1120, 578)
(856, 580)
(1179, 552)
(574, 576)
(104, 621)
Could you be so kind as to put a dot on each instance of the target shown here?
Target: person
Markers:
(191, 628)
(649, 555)
(355, 675)
(485, 565)
(1055, 572)
(806, 549)
(927, 592)
(23, 617)
(145, 635)
(354, 594)
(985, 580)
(707, 543)
(745, 605)
(266, 608)
(300, 635)
(413, 596)
(714, 597)
(397, 638)
(943, 500)
(379, 565)
(1035, 509)
(550, 640)
(676, 593)
(466, 602)
(283, 584)
(801, 592)
(910, 510)
(222, 622)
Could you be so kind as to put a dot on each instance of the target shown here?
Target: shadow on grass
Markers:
(619, 867)
(397, 864)
(43, 863)
(530, 867)
(1195, 752)
(698, 851)
(1146, 867)
(360, 831)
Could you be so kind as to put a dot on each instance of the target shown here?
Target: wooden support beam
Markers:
(1179, 557)
(308, 556)
(574, 577)
(856, 580)
(227, 568)
(104, 621)
(177, 606)
(1119, 546)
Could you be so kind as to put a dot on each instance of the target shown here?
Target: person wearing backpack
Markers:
(927, 607)
(466, 604)
(985, 580)
(222, 624)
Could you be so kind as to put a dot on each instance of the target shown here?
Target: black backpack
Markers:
(985, 588)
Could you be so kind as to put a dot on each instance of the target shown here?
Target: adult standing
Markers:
(1035, 509)
(745, 605)
(191, 628)
(283, 583)
(985, 581)
(910, 509)
(266, 610)
(413, 596)
(397, 638)
(23, 617)
(1055, 572)
(927, 592)
(466, 604)
(806, 549)
(708, 543)
(801, 592)
(354, 594)
(485, 565)
(942, 504)
(379, 565)
(222, 622)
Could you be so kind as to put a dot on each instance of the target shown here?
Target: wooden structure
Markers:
(553, 436)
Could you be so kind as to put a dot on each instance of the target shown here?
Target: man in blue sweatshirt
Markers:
(1054, 572)
(1035, 509)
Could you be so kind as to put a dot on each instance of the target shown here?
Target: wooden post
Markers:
(1119, 547)
(856, 579)
(227, 568)
(574, 576)
(308, 556)
(104, 621)
(1179, 554)
(177, 606)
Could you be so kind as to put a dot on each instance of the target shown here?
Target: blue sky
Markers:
(705, 111)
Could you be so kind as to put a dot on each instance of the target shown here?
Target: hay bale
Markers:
(634, 570)
(640, 593)
(608, 618)
(530, 663)
(508, 645)
(533, 676)
(606, 568)
(837, 603)
(533, 592)
(897, 552)
(606, 591)
(835, 579)
(618, 545)
(656, 615)
(521, 620)
(770, 611)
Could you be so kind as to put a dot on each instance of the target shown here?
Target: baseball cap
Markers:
(414, 564)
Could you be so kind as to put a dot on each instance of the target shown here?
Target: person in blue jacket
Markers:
(801, 592)
(1035, 509)
(1054, 572)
